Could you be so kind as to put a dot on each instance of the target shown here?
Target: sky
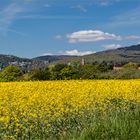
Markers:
(30, 28)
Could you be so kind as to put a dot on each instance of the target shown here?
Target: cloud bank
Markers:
(111, 46)
(78, 53)
(91, 36)
(71, 53)
(97, 35)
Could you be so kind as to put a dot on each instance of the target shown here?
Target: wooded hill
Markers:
(116, 56)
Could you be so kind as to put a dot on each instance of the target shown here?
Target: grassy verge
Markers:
(120, 120)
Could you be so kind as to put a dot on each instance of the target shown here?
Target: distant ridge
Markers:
(120, 55)
(30, 64)
(125, 54)
(52, 58)
(11, 58)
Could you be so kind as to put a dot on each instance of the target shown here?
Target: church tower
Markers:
(83, 62)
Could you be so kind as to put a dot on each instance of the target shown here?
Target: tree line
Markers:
(68, 72)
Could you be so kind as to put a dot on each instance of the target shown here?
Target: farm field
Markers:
(70, 110)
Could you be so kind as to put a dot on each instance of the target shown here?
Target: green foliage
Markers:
(88, 71)
(37, 74)
(72, 71)
(117, 123)
(129, 73)
(40, 74)
(10, 73)
(56, 71)
(130, 66)
(68, 72)
(103, 67)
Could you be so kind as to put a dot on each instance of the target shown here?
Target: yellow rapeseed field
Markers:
(31, 107)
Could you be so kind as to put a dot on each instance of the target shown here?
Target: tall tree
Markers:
(10, 73)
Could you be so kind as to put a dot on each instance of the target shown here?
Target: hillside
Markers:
(120, 55)
(25, 63)
(52, 58)
(117, 56)
(11, 58)
(126, 54)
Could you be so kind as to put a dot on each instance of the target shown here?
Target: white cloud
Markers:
(7, 15)
(132, 37)
(91, 36)
(44, 54)
(112, 46)
(97, 35)
(78, 53)
(71, 52)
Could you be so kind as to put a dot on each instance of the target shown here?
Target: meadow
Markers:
(70, 110)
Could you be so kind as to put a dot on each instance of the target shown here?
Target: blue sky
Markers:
(30, 28)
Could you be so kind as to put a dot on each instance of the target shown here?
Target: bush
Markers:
(39, 74)
(10, 73)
